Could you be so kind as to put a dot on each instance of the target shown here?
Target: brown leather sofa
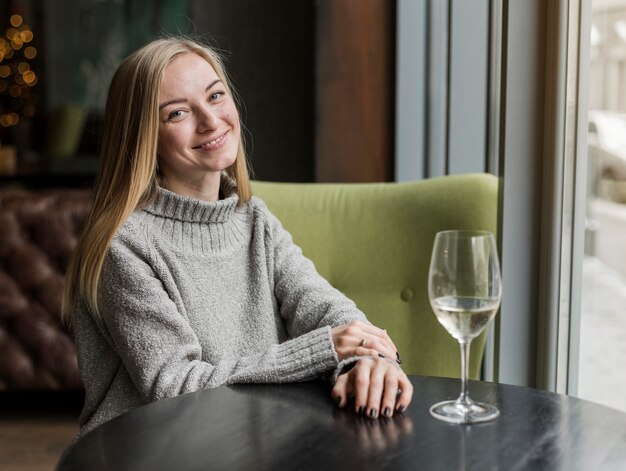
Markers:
(38, 231)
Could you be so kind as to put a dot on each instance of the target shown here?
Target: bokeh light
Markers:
(17, 43)
(15, 91)
(17, 79)
(9, 119)
(30, 52)
(16, 20)
(27, 36)
(29, 76)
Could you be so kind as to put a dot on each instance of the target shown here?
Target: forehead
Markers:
(187, 72)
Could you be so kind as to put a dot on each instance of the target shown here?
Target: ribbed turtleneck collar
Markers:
(194, 225)
(187, 209)
(184, 208)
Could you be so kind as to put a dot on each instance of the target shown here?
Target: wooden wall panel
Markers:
(355, 90)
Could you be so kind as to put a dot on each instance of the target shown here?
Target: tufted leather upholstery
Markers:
(38, 231)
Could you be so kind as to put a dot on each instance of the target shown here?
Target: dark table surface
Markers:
(297, 427)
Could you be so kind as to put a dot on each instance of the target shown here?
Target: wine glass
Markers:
(464, 289)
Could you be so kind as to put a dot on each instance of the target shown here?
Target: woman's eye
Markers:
(175, 115)
(216, 96)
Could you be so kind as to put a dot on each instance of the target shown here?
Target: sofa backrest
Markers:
(38, 232)
(373, 242)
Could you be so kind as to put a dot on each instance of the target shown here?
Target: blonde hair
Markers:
(127, 175)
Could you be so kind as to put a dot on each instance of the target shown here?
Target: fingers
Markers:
(375, 338)
(341, 390)
(378, 346)
(406, 395)
(381, 334)
(361, 380)
(364, 352)
(359, 338)
(379, 388)
(375, 391)
(390, 394)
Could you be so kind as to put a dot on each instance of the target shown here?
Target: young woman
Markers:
(182, 280)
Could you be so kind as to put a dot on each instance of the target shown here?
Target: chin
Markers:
(221, 165)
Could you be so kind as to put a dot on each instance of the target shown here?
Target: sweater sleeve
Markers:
(307, 300)
(160, 350)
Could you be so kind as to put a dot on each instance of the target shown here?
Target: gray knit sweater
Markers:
(197, 294)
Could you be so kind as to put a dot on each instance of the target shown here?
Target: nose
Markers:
(208, 120)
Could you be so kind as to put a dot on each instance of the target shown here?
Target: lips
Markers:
(213, 143)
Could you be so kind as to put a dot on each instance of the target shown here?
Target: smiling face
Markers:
(199, 128)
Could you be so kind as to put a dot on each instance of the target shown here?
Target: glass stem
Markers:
(465, 356)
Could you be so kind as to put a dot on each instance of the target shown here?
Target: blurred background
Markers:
(603, 307)
(315, 79)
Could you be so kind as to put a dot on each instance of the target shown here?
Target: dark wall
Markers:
(269, 47)
(316, 77)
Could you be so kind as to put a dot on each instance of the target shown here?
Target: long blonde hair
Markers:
(127, 175)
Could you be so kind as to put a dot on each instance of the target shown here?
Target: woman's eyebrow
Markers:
(182, 100)
(211, 85)
(171, 102)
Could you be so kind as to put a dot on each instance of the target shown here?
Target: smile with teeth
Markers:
(213, 143)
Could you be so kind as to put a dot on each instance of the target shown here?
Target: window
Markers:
(602, 349)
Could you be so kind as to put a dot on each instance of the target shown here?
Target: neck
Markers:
(205, 187)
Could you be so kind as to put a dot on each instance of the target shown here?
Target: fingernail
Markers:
(337, 400)
(381, 355)
(361, 411)
(387, 412)
(373, 413)
(400, 410)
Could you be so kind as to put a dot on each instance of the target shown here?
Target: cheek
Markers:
(233, 116)
(166, 142)
(160, 147)
(161, 139)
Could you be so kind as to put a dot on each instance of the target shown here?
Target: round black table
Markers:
(297, 427)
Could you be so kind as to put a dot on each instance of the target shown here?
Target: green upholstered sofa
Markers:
(373, 242)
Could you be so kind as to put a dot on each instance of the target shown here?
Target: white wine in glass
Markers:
(464, 288)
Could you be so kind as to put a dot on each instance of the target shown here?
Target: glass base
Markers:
(458, 413)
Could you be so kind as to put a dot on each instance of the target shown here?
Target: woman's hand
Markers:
(360, 339)
(379, 387)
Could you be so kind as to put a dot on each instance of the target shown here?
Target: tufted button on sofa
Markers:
(38, 232)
